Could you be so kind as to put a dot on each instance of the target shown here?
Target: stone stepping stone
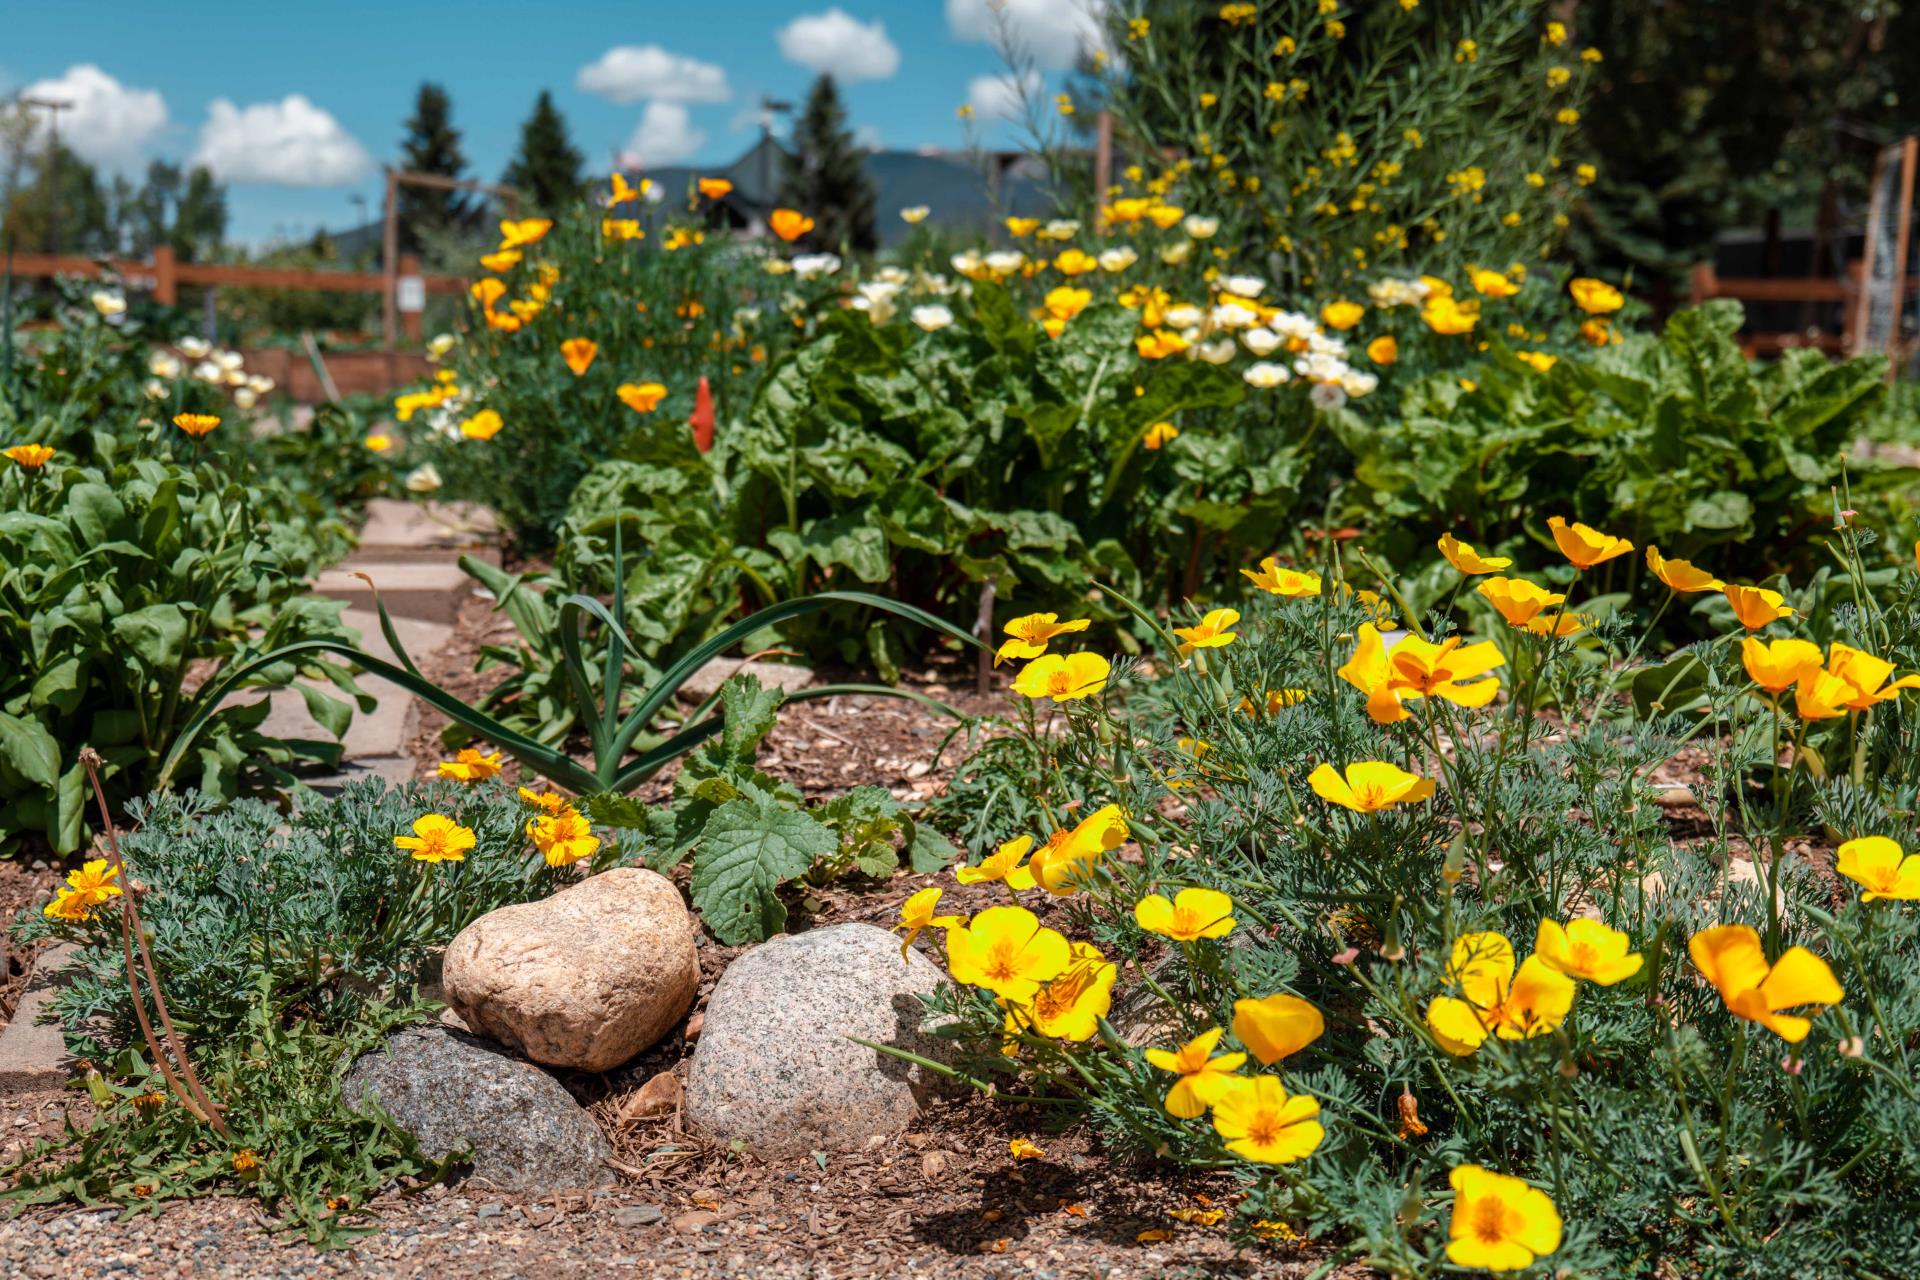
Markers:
(33, 1056)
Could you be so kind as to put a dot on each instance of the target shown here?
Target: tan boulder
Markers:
(586, 978)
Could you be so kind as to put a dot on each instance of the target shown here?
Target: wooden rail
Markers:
(1707, 283)
(165, 273)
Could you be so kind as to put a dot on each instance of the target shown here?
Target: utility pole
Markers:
(769, 107)
(53, 108)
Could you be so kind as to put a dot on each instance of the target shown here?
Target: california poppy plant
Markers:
(30, 457)
(1070, 857)
(1520, 602)
(1002, 865)
(196, 424)
(1070, 1006)
(85, 890)
(1291, 583)
(1587, 950)
(470, 766)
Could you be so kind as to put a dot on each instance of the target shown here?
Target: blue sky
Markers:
(296, 107)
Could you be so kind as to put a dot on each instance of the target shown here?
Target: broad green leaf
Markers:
(747, 851)
(30, 749)
(157, 635)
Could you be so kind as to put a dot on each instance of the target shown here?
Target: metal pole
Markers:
(6, 328)
(390, 260)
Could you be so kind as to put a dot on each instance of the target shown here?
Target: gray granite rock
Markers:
(445, 1087)
(774, 1064)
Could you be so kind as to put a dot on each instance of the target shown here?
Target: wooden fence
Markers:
(165, 273)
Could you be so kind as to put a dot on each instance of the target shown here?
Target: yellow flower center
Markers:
(1002, 962)
(1264, 1128)
(1583, 956)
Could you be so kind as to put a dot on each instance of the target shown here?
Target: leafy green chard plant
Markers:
(289, 945)
(1673, 439)
(121, 586)
(1370, 929)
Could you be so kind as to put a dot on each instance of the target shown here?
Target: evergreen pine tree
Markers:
(825, 176)
(432, 145)
(547, 167)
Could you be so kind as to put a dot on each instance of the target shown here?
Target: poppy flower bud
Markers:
(1410, 1123)
(1792, 1065)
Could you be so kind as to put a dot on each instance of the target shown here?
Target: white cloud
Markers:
(999, 97)
(1051, 32)
(666, 134)
(837, 44)
(290, 143)
(632, 73)
(107, 122)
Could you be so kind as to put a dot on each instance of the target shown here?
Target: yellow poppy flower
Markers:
(1755, 607)
(1881, 867)
(549, 802)
(1033, 632)
(502, 261)
(1003, 865)
(563, 838)
(642, 397)
(1520, 602)
(1274, 700)
(1491, 284)
(1076, 262)
(714, 188)
(1004, 950)
(1066, 302)
(1499, 1223)
(1159, 435)
(1165, 216)
(1448, 317)
(1494, 998)
(1070, 1006)
(1595, 297)
(1539, 361)
(378, 442)
(1342, 315)
(917, 914)
(621, 229)
(526, 231)
(1213, 631)
(1776, 665)
(579, 354)
(621, 192)
(1680, 575)
(1369, 786)
(1070, 857)
(1821, 695)
(31, 457)
(1192, 915)
(1276, 1026)
(1263, 1123)
(789, 224)
(1063, 678)
(1731, 958)
(1468, 561)
(1586, 949)
(1204, 1078)
(1384, 349)
(470, 766)
(1292, 583)
(1583, 545)
(437, 838)
(1021, 228)
(196, 424)
(1159, 344)
(96, 881)
(1866, 676)
(484, 425)
(912, 215)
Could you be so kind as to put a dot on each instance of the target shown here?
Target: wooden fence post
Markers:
(166, 282)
